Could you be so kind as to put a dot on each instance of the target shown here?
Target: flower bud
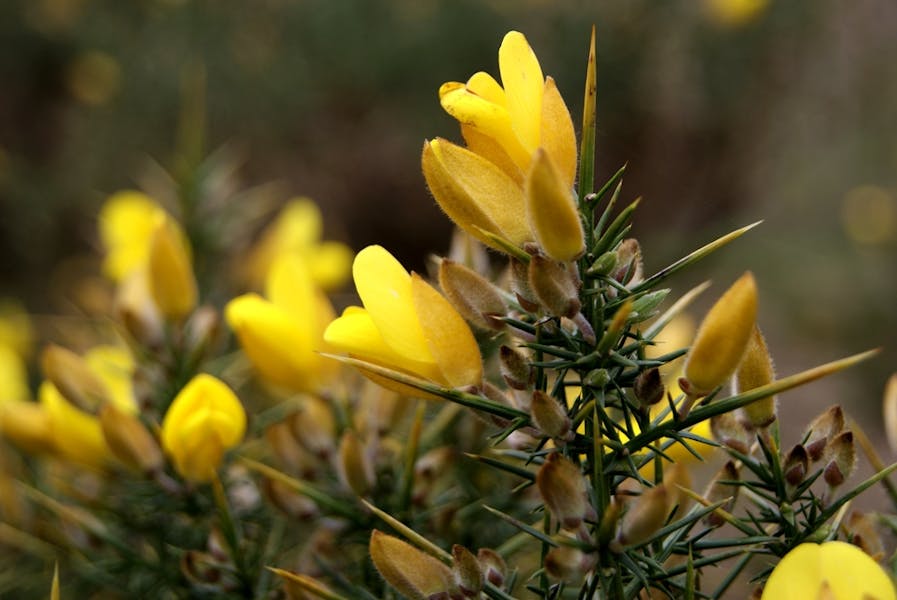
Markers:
(204, 420)
(135, 308)
(550, 417)
(629, 262)
(889, 407)
(721, 339)
(285, 499)
(645, 306)
(563, 488)
(27, 425)
(315, 427)
(675, 477)
(648, 387)
(520, 285)
(412, 572)
(822, 430)
(472, 295)
(551, 210)
(862, 531)
(171, 280)
(493, 565)
(556, 285)
(566, 563)
(467, 572)
(129, 440)
(645, 516)
(756, 370)
(723, 485)
(597, 379)
(201, 331)
(293, 457)
(843, 459)
(730, 431)
(356, 471)
(73, 378)
(604, 264)
(795, 465)
(515, 368)
(610, 518)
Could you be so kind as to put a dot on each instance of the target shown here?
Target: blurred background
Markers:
(726, 111)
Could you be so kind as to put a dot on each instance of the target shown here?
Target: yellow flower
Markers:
(147, 251)
(13, 376)
(405, 325)
(520, 162)
(830, 570)
(283, 334)
(734, 13)
(15, 327)
(297, 231)
(204, 420)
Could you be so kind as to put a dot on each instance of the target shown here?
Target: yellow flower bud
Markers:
(552, 212)
(550, 417)
(467, 571)
(494, 566)
(129, 440)
(72, 377)
(845, 571)
(415, 574)
(13, 377)
(77, 435)
(723, 485)
(842, 451)
(563, 488)
(27, 425)
(722, 338)
(566, 563)
(756, 370)
(556, 285)
(204, 420)
(822, 431)
(171, 279)
(515, 368)
(356, 470)
(645, 516)
(472, 295)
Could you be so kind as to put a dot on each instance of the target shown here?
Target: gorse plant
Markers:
(546, 452)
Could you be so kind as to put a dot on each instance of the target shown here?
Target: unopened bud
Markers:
(472, 295)
(521, 286)
(756, 370)
(412, 572)
(494, 566)
(723, 485)
(675, 478)
(604, 264)
(136, 310)
(629, 262)
(556, 285)
(550, 417)
(27, 425)
(822, 431)
(862, 531)
(201, 330)
(615, 329)
(515, 368)
(293, 456)
(285, 499)
(467, 571)
(645, 516)
(171, 280)
(843, 459)
(795, 466)
(314, 426)
(73, 378)
(648, 387)
(566, 563)
(563, 488)
(730, 431)
(551, 210)
(129, 440)
(722, 338)
(610, 518)
(596, 379)
(356, 470)
(889, 407)
(645, 306)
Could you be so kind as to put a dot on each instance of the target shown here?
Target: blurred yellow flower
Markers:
(16, 331)
(13, 376)
(148, 252)
(830, 570)
(297, 231)
(204, 420)
(405, 325)
(520, 155)
(734, 13)
(283, 334)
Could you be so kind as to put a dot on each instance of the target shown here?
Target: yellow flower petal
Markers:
(330, 264)
(490, 119)
(523, 83)
(849, 573)
(13, 377)
(385, 289)
(448, 336)
(484, 85)
(172, 284)
(551, 211)
(126, 224)
(27, 425)
(115, 368)
(557, 134)
(475, 193)
(77, 435)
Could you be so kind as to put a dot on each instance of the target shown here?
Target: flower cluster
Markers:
(534, 422)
